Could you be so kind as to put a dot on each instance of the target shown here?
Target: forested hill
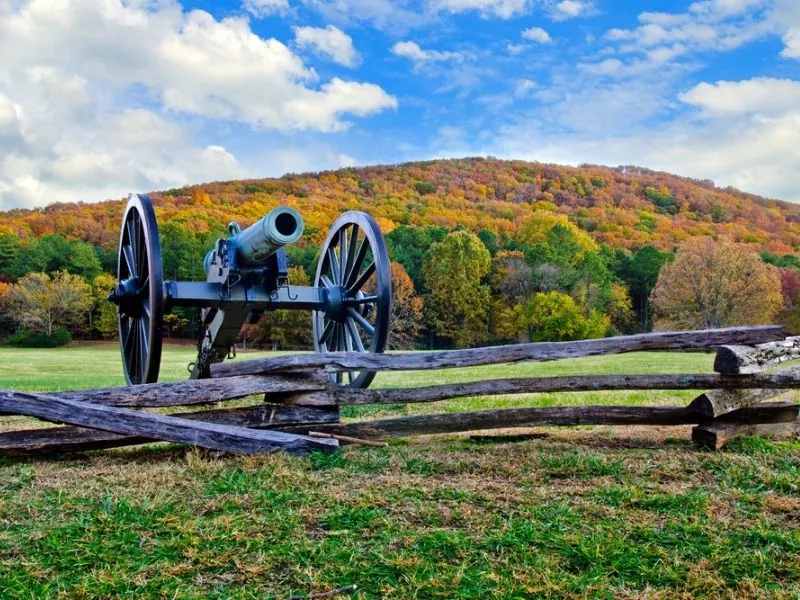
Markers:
(623, 207)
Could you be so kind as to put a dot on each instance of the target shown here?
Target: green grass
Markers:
(580, 513)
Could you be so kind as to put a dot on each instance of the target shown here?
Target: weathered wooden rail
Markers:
(298, 399)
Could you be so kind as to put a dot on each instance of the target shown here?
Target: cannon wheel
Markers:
(139, 292)
(354, 263)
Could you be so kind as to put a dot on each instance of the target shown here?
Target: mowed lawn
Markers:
(586, 512)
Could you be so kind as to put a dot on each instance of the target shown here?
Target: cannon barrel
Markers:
(281, 226)
(254, 245)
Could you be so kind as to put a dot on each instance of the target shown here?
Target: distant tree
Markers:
(5, 320)
(456, 301)
(408, 246)
(282, 329)
(406, 320)
(83, 260)
(716, 284)
(790, 287)
(48, 254)
(103, 316)
(9, 249)
(640, 272)
(553, 316)
(182, 253)
(620, 309)
(40, 304)
(511, 277)
(790, 291)
(489, 239)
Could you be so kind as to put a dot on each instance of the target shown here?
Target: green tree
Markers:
(457, 302)
(182, 253)
(40, 304)
(640, 273)
(48, 254)
(83, 260)
(553, 316)
(408, 246)
(9, 249)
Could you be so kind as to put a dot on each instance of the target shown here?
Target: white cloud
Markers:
(537, 34)
(329, 41)
(761, 96)
(746, 134)
(393, 15)
(504, 9)
(523, 88)
(102, 118)
(413, 52)
(264, 8)
(570, 9)
(791, 41)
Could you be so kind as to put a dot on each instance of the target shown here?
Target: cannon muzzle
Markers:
(281, 226)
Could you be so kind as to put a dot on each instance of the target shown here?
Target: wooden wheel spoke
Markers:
(326, 332)
(363, 278)
(354, 336)
(365, 325)
(326, 282)
(133, 355)
(342, 253)
(334, 264)
(130, 261)
(364, 300)
(357, 263)
(143, 347)
(351, 253)
(127, 339)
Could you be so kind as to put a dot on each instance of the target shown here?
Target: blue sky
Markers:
(102, 97)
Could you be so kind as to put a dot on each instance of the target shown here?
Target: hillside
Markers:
(623, 207)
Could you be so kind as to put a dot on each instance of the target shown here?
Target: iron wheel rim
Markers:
(141, 317)
(363, 272)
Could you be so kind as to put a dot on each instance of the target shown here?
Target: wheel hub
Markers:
(127, 296)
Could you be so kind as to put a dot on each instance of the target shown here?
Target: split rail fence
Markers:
(744, 396)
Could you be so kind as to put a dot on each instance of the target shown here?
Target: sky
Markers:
(100, 98)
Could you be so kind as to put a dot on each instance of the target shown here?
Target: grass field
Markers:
(581, 512)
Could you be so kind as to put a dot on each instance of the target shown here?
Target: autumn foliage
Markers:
(475, 242)
(716, 284)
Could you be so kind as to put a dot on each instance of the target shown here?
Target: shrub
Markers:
(38, 339)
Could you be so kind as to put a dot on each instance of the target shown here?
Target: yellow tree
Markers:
(406, 319)
(40, 303)
(457, 302)
(715, 284)
(103, 316)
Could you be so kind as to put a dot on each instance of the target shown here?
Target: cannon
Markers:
(246, 275)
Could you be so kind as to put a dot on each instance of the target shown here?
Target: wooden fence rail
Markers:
(302, 399)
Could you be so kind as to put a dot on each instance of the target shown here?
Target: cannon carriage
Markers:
(246, 276)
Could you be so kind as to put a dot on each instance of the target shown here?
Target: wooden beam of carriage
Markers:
(58, 440)
(160, 427)
(537, 385)
(545, 416)
(542, 351)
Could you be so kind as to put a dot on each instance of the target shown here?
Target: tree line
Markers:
(452, 287)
